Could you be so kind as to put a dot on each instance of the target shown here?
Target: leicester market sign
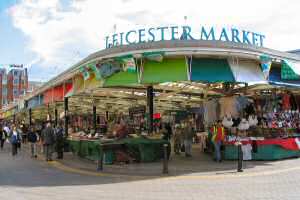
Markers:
(144, 35)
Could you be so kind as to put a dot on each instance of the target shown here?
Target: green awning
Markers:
(169, 70)
(122, 79)
(287, 72)
(211, 70)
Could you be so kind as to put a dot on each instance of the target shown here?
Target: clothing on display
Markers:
(210, 111)
(228, 106)
(252, 120)
(286, 102)
(244, 125)
(227, 122)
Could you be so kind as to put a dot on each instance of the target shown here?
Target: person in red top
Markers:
(218, 138)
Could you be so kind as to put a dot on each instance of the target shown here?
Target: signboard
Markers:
(144, 35)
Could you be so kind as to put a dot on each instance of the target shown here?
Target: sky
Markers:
(49, 36)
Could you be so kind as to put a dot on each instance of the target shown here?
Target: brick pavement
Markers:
(24, 178)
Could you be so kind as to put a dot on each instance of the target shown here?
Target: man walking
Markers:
(32, 139)
(59, 144)
(189, 134)
(48, 137)
(218, 138)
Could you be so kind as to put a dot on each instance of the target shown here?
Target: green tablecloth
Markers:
(142, 149)
(264, 152)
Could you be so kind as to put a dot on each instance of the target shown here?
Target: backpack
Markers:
(32, 137)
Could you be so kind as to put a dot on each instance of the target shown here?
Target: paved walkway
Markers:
(23, 178)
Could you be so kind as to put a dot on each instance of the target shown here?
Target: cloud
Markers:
(62, 32)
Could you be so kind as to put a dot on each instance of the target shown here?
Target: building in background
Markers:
(17, 83)
(33, 85)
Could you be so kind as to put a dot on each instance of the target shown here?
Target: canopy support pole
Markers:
(94, 117)
(30, 117)
(66, 107)
(150, 108)
(56, 116)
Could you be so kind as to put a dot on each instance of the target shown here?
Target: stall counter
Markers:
(141, 149)
(267, 149)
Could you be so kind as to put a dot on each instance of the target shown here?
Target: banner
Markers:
(85, 73)
(290, 70)
(96, 70)
(266, 62)
(129, 65)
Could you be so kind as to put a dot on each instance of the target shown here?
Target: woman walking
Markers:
(15, 140)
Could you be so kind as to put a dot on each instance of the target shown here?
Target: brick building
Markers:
(14, 84)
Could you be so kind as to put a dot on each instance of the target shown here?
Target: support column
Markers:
(30, 117)
(94, 117)
(56, 117)
(150, 108)
(66, 107)
(107, 115)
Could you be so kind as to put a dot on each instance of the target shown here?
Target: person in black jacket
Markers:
(2, 137)
(59, 143)
(32, 139)
(48, 137)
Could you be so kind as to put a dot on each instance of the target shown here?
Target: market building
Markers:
(252, 90)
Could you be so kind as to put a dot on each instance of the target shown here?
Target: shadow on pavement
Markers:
(24, 171)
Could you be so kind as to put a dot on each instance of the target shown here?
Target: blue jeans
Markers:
(218, 150)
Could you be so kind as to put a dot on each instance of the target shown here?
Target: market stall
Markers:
(140, 149)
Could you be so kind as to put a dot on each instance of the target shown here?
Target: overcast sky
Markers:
(51, 35)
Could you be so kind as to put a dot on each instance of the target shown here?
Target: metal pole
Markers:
(107, 115)
(66, 107)
(94, 117)
(165, 162)
(240, 158)
(100, 160)
(30, 117)
(150, 108)
(56, 117)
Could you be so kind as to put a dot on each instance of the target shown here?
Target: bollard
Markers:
(100, 161)
(165, 162)
(240, 158)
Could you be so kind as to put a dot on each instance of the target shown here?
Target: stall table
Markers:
(141, 149)
(267, 149)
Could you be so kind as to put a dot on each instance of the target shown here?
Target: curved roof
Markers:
(173, 47)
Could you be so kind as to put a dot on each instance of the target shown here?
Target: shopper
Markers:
(2, 137)
(32, 139)
(48, 137)
(177, 139)
(188, 134)
(59, 144)
(218, 136)
(164, 133)
(21, 135)
(15, 140)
